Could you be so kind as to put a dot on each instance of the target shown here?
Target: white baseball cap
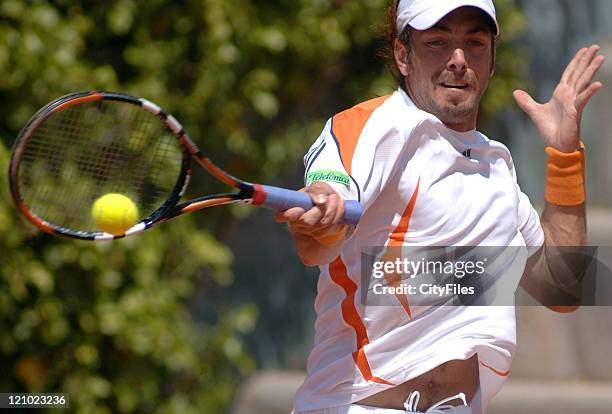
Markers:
(424, 14)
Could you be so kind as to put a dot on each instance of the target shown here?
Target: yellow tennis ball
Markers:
(114, 213)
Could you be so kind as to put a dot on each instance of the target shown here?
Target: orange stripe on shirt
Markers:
(500, 373)
(347, 127)
(396, 239)
(339, 275)
(364, 366)
(398, 235)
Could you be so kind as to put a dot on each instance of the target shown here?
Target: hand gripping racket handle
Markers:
(282, 199)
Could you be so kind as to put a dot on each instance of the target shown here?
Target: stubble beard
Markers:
(455, 111)
(450, 111)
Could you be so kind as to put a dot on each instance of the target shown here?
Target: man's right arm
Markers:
(318, 232)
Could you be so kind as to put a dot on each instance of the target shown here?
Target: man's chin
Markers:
(457, 100)
(456, 113)
(459, 108)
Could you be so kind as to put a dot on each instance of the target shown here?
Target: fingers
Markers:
(294, 214)
(570, 70)
(578, 65)
(339, 210)
(310, 224)
(289, 216)
(332, 206)
(322, 219)
(589, 73)
(328, 201)
(311, 218)
(328, 211)
(580, 71)
(584, 98)
(525, 102)
(319, 187)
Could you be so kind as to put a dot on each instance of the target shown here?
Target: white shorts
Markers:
(364, 409)
(411, 402)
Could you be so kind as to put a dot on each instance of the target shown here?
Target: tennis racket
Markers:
(88, 144)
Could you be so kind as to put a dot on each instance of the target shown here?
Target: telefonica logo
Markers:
(328, 175)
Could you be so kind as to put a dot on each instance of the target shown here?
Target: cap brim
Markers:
(430, 17)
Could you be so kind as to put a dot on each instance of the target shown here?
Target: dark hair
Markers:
(390, 34)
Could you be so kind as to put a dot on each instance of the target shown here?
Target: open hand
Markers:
(558, 120)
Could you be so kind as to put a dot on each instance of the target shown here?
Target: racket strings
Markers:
(90, 149)
(165, 150)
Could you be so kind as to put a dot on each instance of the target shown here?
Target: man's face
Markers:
(448, 68)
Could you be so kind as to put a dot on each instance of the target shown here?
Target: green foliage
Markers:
(253, 83)
(107, 323)
(511, 62)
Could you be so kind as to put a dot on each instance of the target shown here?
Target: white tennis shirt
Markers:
(420, 184)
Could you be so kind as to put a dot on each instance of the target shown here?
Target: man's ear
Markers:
(400, 52)
(493, 61)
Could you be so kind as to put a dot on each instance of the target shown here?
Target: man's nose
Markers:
(457, 62)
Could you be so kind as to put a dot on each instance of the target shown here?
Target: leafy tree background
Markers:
(253, 83)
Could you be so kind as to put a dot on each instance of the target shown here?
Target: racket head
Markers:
(88, 144)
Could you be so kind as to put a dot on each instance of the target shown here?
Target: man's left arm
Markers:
(553, 274)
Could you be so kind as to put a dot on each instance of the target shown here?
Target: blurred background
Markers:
(213, 313)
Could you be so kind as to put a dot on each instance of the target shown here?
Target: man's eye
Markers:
(435, 43)
(476, 43)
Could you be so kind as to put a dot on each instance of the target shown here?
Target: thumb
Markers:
(525, 102)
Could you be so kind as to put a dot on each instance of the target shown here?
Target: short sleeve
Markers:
(361, 148)
(529, 221)
(323, 163)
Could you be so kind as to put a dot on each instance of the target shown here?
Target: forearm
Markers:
(564, 218)
(554, 274)
(565, 236)
(564, 225)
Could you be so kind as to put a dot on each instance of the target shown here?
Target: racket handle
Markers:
(278, 198)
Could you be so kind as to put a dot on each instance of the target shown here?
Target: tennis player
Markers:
(425, 177)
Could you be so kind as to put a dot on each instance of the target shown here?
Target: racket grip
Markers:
(277, 198)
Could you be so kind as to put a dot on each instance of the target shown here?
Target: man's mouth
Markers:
(455, 85)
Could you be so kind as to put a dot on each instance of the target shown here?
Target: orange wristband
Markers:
(565, 182)
(331, 239)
